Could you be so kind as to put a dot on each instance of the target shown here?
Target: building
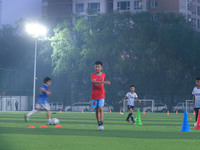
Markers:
(55, 10)
(83, 7)
(189, 8)
(61, 9)
(195, 15)
(134, 6)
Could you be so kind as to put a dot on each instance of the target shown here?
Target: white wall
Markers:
(0, 13)
(7, 103)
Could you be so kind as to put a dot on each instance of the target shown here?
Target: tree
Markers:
(134, 49)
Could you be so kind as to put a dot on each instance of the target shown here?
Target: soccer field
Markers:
(79, 131)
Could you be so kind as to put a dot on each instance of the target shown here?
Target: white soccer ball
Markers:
(195, 124)
(122, 114)
(55, 121)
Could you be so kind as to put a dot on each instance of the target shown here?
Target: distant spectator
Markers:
(16, 105)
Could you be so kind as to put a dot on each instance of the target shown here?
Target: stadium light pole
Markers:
(36, 30)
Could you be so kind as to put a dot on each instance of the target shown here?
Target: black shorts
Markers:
(129, 107)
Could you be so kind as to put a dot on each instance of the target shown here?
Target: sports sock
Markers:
(132, 117)
(101, 122)
(98, 123)
(49, 120)
(32, 112)
(129, 115)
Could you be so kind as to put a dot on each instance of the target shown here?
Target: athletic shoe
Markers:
(128, 121)
(133, 121)
(26, 118)
(100, 128)
(50, 123)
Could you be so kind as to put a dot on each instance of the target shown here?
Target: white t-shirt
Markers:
(131, 98)
(196, 93)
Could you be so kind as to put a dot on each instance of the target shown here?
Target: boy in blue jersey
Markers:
(42, 101)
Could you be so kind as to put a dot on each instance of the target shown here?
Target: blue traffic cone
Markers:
(185, 126)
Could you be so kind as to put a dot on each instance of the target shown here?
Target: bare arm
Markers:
(122, 100)
(138, 100)
(100, 82)
(193, 101)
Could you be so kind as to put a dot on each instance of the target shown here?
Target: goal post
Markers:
(189, 105)
(147, 103)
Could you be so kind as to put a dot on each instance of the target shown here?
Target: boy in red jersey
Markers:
(98, 92)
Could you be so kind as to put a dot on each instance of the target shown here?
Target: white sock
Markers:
(49, 120)
(32, 112)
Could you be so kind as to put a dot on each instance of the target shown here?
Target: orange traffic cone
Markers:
(31, 127)
(110, 111)
(177, 112)
(198, 122)
(58, 126)
(193, 112)
(168, 112)
(144, 112)
(120, 112)
(82, 111)
(60, 111)
(43, 126)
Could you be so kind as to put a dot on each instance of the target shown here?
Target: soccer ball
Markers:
(55, 121)
(195, 124)
(122, 114)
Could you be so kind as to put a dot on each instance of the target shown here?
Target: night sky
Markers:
(12, 10)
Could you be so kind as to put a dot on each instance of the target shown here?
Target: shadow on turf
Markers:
(105, 133)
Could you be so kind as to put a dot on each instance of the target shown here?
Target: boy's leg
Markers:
(101, 105)
(47, 108)
(95, 106)
(131, 114)
(127, 119)
(196, 113)
(31, 113)
(49, 115)
(37, 108)
(97, 114)
(101, 114)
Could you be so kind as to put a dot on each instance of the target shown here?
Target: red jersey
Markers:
(98, 91)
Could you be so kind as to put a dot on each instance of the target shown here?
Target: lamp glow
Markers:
(36, 29)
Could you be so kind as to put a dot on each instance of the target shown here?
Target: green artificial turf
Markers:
(158, 132)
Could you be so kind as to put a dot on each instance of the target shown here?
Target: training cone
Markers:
(43, 126)
(31, 127)
(138, 120)
(177, 112)
(193, 112)
(60, 111)
(185, 126)
(82, 111)
(198, 122)
(58, 126)
(143, 112)
(110, 111)
(168, 112)
(120, 112)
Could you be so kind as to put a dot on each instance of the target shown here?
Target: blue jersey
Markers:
(43, 97)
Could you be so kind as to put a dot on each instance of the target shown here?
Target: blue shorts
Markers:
(97, 103)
